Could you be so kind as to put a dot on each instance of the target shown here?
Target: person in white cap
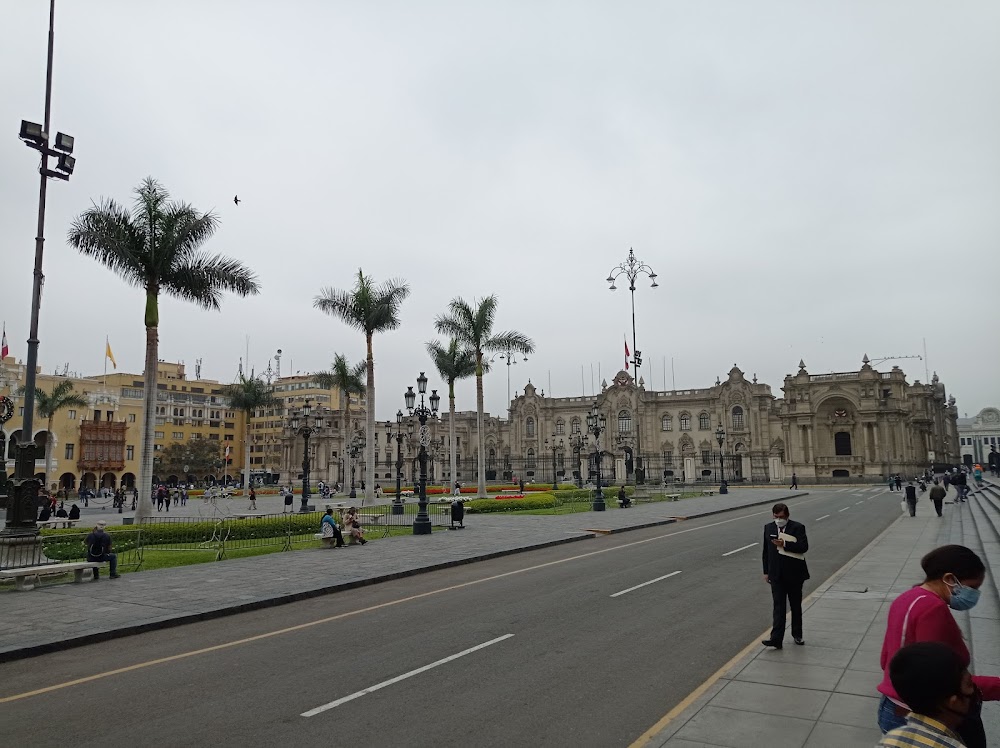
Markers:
(99, 549)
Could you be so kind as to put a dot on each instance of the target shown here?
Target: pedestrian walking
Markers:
(253, 500)
(892, 483)
(899, 482)
(458, 489)
(911, 498)
(184, 497)
(961, 486)
(937, 496)
(795, 482)
(933, 680)
(288, 499)
(785, 569)
(953, 575)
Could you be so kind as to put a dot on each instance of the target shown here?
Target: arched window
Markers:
(685, 422)
(574, 426)
(624, 422)
(531, 458)
(737, 418)
(560, 426)
(666, 423)
(704, 422)
(529, 427)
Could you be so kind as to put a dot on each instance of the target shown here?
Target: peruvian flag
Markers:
(627, 354)
(4, 350)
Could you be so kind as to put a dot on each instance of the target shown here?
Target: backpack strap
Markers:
(906, 620)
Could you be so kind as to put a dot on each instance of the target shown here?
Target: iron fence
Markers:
(67, 547)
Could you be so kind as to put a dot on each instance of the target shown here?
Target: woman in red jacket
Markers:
(954, 575)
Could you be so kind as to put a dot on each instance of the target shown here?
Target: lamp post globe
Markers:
(720, 436)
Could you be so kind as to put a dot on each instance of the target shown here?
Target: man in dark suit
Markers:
(785, 573)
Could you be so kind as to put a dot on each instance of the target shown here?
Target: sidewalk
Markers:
(823, 695)
(60, 616)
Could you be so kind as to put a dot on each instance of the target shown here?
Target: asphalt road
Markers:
(572, 645)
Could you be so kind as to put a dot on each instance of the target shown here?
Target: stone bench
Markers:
(57, 522)
(673, 496)
(708, 492)
(21, 576)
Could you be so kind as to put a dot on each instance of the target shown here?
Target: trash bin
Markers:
(457, 514)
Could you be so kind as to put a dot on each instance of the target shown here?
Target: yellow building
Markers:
(99, 447)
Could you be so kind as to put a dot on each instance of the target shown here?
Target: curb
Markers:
(120, 632)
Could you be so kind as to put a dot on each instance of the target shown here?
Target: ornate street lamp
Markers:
(22, 502)
(596, 424)
(305, 431)
(356, 449)
(632, 268)
(720, 436)
(578, 441)
(397, 504)
(422, 524)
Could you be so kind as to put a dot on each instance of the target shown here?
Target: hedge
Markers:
(538, 501)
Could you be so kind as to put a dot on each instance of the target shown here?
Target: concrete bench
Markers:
(673, 496)
(372, 519)
(640, 496)
(57, 522)
(708, 492)
(21, 576)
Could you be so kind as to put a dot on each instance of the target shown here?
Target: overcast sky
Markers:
(809, 180)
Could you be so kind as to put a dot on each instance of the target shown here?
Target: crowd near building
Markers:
(862, 424)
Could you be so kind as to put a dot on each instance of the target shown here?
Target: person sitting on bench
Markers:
(99, 549)
(74, 512)
(353, 523)
(329, 530)
(623, 499)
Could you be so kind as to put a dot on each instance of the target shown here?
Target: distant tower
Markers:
(197, 368)
(277, 370)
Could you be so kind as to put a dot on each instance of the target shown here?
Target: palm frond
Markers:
(107, 233)
(62, 396)
(202, 278)
(342, 376)
(510, 340)
(341, 304)
(453, 362)
(366, 307)
(249, 394)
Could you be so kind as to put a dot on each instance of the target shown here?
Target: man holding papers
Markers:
(785, 546)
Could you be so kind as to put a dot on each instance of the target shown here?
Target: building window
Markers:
(737, 418)
(21, 411)
(69, 451)
(178, 435)
(529, 428)
(131, 417)
(157, 434)
(71, 415)
(574, 426)
(842, 443)
(130, 452)
(706, 457)
(666, 423)
(685, 422)
(531, 459)
(624, 422)
(668, 459)
(704, 422)
(560, 427)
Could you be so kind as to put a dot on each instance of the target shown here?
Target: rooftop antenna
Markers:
(197, 368)
(277, 359)
(877, 361)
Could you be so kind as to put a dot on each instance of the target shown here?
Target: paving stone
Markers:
(829, 735)
(848, 709)
(767, 699)
(736, 729)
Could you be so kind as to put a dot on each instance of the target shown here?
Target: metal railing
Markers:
(66, 547)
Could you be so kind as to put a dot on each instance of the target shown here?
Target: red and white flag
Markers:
(227, 451)
(627, 354)
(4, 350)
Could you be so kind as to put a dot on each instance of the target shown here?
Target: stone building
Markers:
(979, 437)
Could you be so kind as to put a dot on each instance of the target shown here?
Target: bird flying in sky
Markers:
(236, 199)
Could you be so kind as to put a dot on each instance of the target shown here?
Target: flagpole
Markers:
(106, 344)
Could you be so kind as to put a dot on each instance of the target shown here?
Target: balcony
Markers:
(841, 460)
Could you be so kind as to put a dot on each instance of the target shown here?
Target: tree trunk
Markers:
(246, 455)
(370, 428)
(346, 407)
(481, 456)
(144, 484)
(451, 433)
(49, 443)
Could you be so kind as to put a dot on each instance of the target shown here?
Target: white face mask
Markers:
(781, 522)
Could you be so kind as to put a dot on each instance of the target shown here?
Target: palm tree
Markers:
(249, 395)
(472, 326)
(347, 380)
(453, 363)
(48, 404)
(369, 308)
(157, 246)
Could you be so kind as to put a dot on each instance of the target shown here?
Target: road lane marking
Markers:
(404, 676)
(858, 502)
(351, 613)
(844, 509)
(658, 579)
(823, 517)
(738, 550)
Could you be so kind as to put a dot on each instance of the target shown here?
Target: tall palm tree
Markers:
(472, 326)
(369, 308)
(48, 404)
(453, 363)
(157, 246)
(347, 380)
(249, 394)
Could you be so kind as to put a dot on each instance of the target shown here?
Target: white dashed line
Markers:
(752, 545)
(658, 579)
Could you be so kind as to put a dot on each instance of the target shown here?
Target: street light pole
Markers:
(422, 524)
(632, 268)
(720, 436)
(397, 505)
(597, 423)
(22, 506)
(305, 432)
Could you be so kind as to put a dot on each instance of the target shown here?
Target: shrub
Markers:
(538, 501)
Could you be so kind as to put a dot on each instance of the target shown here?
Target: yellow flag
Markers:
(109, 354)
